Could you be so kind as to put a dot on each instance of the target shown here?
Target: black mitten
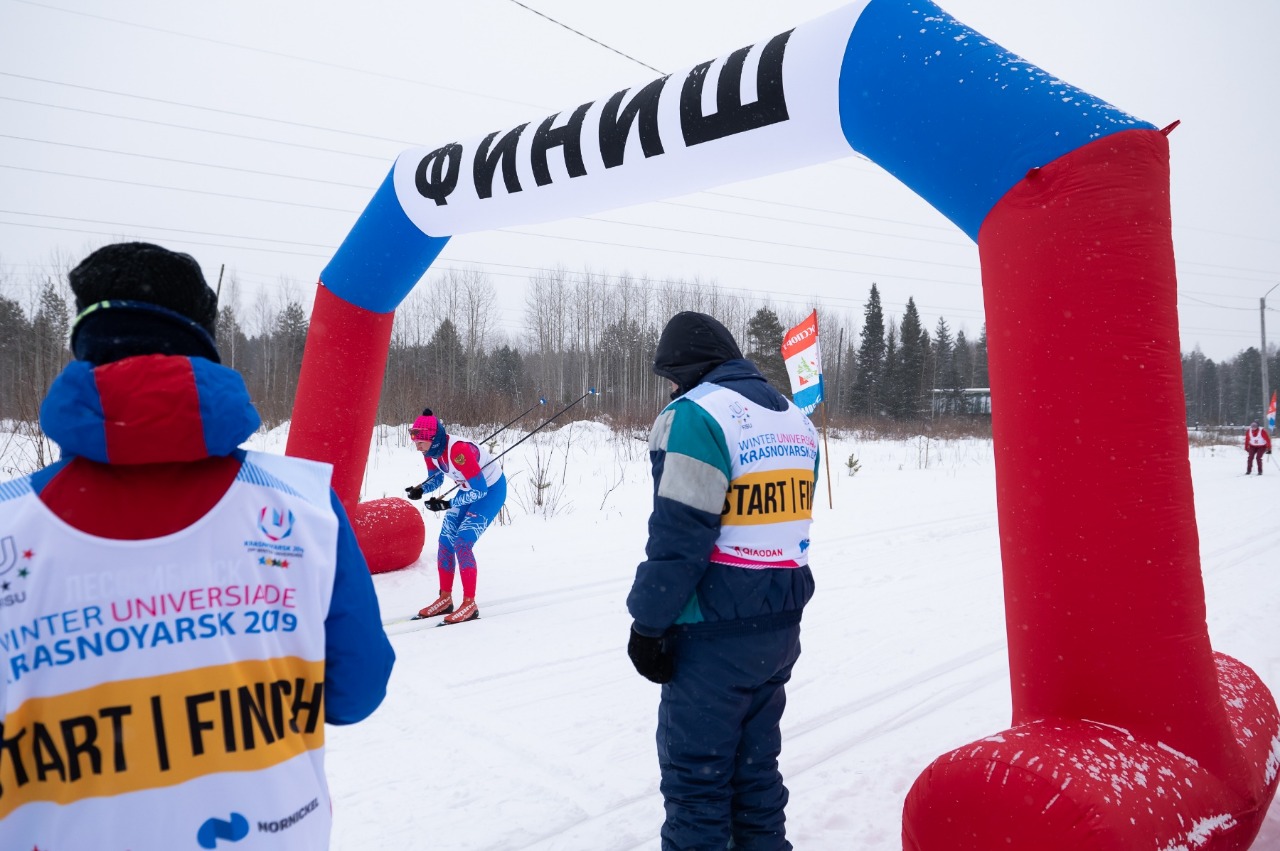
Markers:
(435, 503)
(414, 491)
(651, 656)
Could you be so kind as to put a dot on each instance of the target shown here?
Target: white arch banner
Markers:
(763, 109)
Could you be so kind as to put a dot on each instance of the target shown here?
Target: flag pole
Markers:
(826, 453)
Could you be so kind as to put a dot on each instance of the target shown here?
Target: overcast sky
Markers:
(252, 135)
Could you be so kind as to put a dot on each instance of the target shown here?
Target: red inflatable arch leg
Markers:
(1127, 727)
(333, 419)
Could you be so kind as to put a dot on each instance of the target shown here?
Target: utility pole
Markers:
(1262, 315)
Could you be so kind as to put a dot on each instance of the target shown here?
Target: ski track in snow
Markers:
(528, 730)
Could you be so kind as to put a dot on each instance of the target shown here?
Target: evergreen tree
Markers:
(964, 360)
(505, 373)
(232, 342)
(889, 386)
(864, 394)
(1245, 396)
(946, 378)
(1211, 393)
(444, 358)
(764, 348)
(912, 358)
(1203, 390)
(288, 338)
(980, 375)
(625, 367)
(15, 357)
(51, 331)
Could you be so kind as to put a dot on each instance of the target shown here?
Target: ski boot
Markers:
(442, 606)
(466, 612)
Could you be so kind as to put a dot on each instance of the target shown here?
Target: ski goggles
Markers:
(420, 434)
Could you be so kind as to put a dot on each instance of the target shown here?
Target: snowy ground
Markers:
(529, 729)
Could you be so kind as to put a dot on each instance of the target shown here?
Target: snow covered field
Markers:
(529, 729)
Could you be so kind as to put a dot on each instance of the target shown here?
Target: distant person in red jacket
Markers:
(1257, 443)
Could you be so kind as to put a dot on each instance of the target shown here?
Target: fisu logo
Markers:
(232, 830)
(12, 570)
(8, 554)
(274, 523)
(741, 416)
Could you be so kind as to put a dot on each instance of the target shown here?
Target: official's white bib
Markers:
(769, 505)
(168, 693)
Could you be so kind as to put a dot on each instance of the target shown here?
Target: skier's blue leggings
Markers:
(719, 740)
(464, 524)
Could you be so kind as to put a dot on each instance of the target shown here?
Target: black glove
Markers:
(414, 491)
(651, 656)
(1268, 451)
(435, 503)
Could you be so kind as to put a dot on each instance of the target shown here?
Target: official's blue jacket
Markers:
(677, 585)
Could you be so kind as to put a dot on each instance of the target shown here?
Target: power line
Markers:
(282, 244)
(139, 227)
(522, 271)
(587, 37)
(157, 158)
(271, 119)
(134, 226)
(178, 189)
(800, 266)
(806, 208)
(948, 228)
(224, 133)
(964, 241)
(1211, 304)
(758, 241)
(273, 53)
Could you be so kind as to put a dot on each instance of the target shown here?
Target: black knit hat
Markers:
(135, 298)
(691, 345)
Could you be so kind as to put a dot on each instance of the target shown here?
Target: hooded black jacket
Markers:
(677, 586)
(691, 345)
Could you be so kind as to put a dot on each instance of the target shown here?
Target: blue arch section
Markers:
(383, 256)
(952, 114)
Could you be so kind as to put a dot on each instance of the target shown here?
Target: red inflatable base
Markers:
(1074, 785)
(390, 532)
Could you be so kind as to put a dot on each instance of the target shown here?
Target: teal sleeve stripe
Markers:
(695, 433)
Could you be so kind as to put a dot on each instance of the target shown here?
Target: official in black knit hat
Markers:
(691, 345)
(135, 298)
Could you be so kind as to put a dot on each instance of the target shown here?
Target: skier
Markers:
(483, 490)
(1257, 443)
(717, 601)
(188, 614)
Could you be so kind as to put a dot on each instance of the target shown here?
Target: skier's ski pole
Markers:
(541, 401)
(546, 423)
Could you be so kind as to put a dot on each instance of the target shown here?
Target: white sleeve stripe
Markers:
(661, 432)
(694, 483)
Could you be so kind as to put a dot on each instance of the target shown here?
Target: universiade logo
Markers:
(275, 524)
(232, 830)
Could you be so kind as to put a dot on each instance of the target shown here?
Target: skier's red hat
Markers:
(425, 426)
(429, 427)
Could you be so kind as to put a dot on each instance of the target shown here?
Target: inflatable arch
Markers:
(1128, 731)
